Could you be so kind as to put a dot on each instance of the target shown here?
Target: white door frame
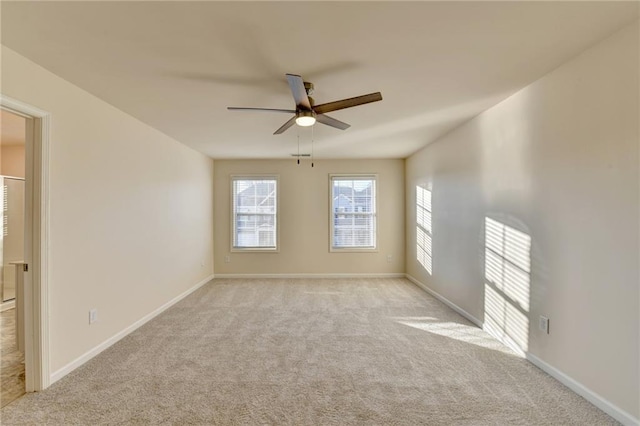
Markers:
(36, 279)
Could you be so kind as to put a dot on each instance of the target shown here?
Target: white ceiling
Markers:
(178, 65)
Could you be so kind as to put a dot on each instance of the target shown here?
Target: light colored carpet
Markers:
(307, 352)
(11, 360)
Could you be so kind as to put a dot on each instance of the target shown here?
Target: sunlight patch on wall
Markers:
(423, 228)
(507, 283)
(504, 321)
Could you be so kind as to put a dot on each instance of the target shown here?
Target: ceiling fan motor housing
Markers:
(304, 108)
(308, 87)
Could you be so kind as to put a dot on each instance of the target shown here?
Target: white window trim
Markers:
(267, 176)
(332, 249)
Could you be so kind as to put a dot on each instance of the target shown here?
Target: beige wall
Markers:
(131, 212)
(12, 160)
(559, 162)
(304, 219)
(12, 139)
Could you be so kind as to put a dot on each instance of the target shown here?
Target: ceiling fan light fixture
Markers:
(305, 118)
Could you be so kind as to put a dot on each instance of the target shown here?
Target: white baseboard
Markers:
(381, 275)
(606, 406)
(444, 300)
(505, 340)
(5, 306)
(57, 375)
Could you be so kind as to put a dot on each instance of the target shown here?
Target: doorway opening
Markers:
(26, 272)
(12, 189)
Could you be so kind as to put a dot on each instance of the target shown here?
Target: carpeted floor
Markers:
(11, 360)
(307, 352)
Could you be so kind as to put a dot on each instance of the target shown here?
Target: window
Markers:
(254, 212)
(353, 212)
(423, 228)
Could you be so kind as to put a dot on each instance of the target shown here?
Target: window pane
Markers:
(353, 204)
(254, 211)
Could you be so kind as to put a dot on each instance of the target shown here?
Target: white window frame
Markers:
(374, 214)
(233, 178)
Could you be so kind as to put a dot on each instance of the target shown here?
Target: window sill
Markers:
(254, 250)
(353, 250)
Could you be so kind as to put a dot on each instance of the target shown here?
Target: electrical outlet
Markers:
(227, 259)
(389, 258)
(93, 316)
(543, 324)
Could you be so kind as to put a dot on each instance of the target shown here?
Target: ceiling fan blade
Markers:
(286, 125)
(347, 103)
(330, 121)
(298, 91)
(291, 111)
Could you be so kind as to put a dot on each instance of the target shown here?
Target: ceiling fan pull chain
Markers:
(298, 145)
(312, 145)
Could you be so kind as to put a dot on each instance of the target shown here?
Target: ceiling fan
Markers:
(306, 113)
